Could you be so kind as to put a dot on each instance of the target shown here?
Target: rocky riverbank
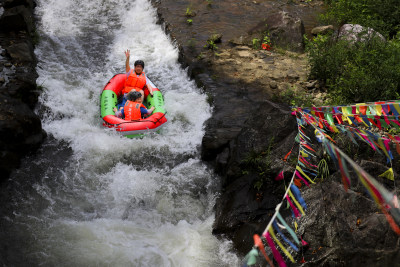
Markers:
(20, 128)
(250, 132)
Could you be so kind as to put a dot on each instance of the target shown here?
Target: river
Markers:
(90, 197)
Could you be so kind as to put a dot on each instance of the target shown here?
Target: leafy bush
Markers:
(383, 16)
(356, 72)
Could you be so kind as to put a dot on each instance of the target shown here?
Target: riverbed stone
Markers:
(244, 53)
(273, 85)
(322, 30)
(21, 52)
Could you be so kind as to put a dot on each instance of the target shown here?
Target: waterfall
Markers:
(91, 197)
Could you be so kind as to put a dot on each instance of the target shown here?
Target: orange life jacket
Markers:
(132, 110)
(133, 81)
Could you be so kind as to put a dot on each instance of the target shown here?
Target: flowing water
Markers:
(90, 197)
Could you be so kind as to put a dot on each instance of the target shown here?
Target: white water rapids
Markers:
(90, 197)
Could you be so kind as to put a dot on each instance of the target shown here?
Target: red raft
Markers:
(109, 99)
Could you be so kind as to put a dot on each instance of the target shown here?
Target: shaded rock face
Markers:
(17, 18)
(20, 127)
(346, 228)
(242, 208)
(286, 31)
(248, 135)
(238, 81)
(20, 131)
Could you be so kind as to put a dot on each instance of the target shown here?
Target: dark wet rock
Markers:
(21, 52)
(20, 133)
(322, 30)
(13, 3)
(20, 128)
(19, 18)
(238, 210)
(23, 89)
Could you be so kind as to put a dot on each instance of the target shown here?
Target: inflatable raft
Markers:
(110, 95)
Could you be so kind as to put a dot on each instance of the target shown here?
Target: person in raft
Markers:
(133, 109)
(135, 78)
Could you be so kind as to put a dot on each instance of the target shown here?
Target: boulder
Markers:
(21, 52)
(357, 33)
(24, 89)
(286, 31)
(322, 30)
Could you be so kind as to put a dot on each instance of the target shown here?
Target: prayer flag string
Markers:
(378, 114)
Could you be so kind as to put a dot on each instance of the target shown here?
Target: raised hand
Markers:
(127, 53)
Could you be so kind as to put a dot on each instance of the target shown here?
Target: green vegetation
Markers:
(212, 41)
(256, 43)
(366, 70)
(35, 37)
(191, 43)
(259, 163)
(190, 12)
(200, 56)
(211, 45)
(383, 16)
(189, 21)
(210, 98)
(323, 169)
(294, 97)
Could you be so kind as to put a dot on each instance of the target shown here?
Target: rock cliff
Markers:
(250, 132)
(20, 128)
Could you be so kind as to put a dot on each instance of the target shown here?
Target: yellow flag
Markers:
(388, 174)
(378, 109)
(303, 154)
